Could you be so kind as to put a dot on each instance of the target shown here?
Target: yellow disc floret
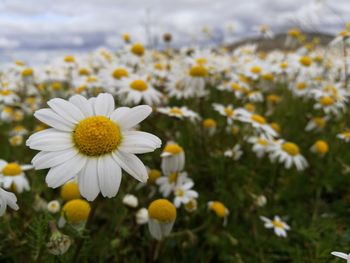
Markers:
(258, 118)
(120, 73)
(27, 72)
(176, 111)
(153, 175)
(76, 211)
(198, 71)
(255, 70)
(138, 49)
(173, 148)
(326, 101)
(290, 148)
(11, 169)
(162, 210)
(209, 123)
(96, 136)
(139, 85)
(321, 147)
(70, 191)
(305, 61)
(277, 224)
(219, 208)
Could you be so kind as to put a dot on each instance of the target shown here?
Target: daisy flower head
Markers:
(227, 111)
(316, 124)
(179, 112)
(345, 136)
(320, 147)
(235, 153)
(280, 228)
(260, 145)
(183, 193)
(12, 175)
(162, 215)
(168, 183)
(53, 206)
(173, 158)
(75, 212)
(142, 216)
(135, 89)
(342, 255)
(70, 191)
(219, 209)
(287, 153)
(209, 125)
(93, 141)
(7, 199)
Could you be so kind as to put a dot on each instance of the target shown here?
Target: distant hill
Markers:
(279, 40)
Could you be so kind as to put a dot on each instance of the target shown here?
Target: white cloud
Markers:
(92, 22)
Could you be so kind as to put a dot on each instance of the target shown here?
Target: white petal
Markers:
(54, 120)
(340, 254)
(66, 110)
(50, 140)
(104, 104)
(132, 165)
(62, 173)
(128, 119)
(139, 142)
(45, 160)
(83, 104)
(88, 180)
(109, 176)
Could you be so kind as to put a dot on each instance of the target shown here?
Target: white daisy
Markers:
(183, 192)
(277, 224)
(93, 141)
(12, 175)
(287, 153)
(7, 199)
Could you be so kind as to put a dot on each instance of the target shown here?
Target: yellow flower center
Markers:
(69, 59)
(319, 121)
(294, 32)
(12, 169)
(138, 49)
(120, 73)
(158, 66)
(162, 210)
(301, 85)
(153, 175)
(258, 118)
(284, 65)
(275, 126)
(179, 192)
(96, 136)
(291, 148)
(219, 209)
(268, 76)
(176, 111)
(262, 142)
(305, 61)
(76, 211)
(126, 38)
(201, 61)
(277, 224)
(5, 92)
(346, 134)
(198, 71)
(19, 63)
(321, 147)
(209, 123)
(173, 148)
(273, 98)
(56, 86)
(229, 112)
(70, 191)
(172, 178)
(249, 107)
(255, 70)
(27, 72)
(326, 101)
(139, 85)
(344, 33)
(84, 72)
(235, 86)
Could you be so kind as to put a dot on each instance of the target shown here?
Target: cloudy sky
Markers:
(83, 24)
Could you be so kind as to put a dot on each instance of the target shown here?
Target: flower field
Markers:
(178, 155)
